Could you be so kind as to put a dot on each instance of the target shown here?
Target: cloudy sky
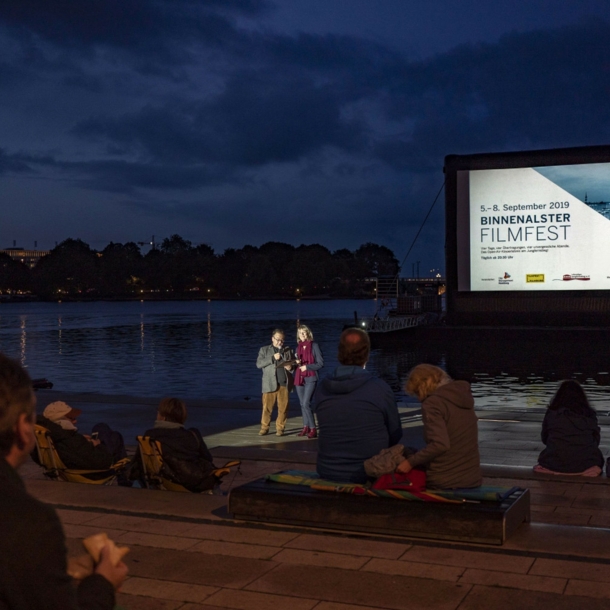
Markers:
(234, 122)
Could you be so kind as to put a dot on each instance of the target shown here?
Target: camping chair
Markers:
(151, 458)
(56, 470)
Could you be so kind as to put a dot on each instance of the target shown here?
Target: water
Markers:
(206, 350)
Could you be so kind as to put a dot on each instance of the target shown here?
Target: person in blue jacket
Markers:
(357, 413)
(571, 434)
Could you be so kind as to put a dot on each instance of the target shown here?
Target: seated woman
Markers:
(571, 434)
(451, 455)
(184, 450)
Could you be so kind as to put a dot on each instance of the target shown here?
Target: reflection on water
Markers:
(509, 369)
(208, 350)
(190, 349)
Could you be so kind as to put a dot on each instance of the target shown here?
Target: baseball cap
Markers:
(58, 410)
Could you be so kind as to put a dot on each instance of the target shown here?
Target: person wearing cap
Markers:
(62, 414)
(80, 450)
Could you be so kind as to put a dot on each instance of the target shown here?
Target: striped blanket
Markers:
(455, 496)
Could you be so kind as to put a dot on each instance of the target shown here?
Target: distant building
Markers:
(27, 257)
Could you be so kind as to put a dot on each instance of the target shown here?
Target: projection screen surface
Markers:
(534, 228)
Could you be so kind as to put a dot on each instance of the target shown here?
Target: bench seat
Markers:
(477, 522)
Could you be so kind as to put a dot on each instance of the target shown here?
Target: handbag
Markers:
(385, 461)
(415, 480)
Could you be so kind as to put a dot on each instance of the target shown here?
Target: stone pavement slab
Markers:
(187, 553)
(339, 571)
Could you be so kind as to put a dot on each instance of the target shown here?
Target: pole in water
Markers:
(356, 318)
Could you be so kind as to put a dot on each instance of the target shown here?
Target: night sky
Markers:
(234, 122)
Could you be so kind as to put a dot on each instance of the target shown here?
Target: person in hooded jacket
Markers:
(571, 434)
(357, 413)
(451, 455)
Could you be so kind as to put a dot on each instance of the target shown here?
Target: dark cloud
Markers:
(534, 90)
(13, 164)
(196, 110)
(256, 120)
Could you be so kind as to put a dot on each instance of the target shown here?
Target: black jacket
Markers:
(572, 441)
(181, 443)
(33, 556)
(186, 458)
(74, 449)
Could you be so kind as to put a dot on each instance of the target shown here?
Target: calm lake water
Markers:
(208, 350)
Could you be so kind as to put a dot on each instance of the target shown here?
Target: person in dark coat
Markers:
(357, 413)
(184, 450)
(83, 451)
(571, 434)
(33, 562)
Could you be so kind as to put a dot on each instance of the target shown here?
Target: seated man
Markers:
(184, 451)
(79, 450)
(357, 413)
(32, 546)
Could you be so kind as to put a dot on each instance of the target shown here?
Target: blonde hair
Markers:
(424, 379)
(306, 330)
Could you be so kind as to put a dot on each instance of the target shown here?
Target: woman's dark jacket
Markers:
(572, 441)
(186, 457)
(74, 449)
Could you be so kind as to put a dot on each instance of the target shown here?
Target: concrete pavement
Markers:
(188, 553)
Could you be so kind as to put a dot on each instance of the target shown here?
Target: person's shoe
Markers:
(313, 433)
(304, 431)
(262, 431)
(279, 433)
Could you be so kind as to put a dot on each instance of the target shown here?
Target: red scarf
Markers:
(305, 355)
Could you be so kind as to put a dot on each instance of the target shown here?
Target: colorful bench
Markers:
(486, 515)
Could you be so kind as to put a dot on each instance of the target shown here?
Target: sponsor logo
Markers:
(505, 279)
(568, 277)
(534, 278)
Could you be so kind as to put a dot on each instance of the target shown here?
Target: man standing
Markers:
(276, 362)
(32, 548)
(357, 413)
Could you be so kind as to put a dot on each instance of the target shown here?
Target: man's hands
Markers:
(94, 441)
(277, 356)
(115, 575)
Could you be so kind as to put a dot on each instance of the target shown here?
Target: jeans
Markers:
(305, 392)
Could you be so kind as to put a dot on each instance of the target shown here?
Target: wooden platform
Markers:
(478, 522)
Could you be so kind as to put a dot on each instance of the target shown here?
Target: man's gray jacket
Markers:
(267, 362)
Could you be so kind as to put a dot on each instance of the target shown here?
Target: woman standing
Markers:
(309, 362)
(571, 434)
(451, 455)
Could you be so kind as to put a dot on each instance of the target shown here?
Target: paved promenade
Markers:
(188, 553)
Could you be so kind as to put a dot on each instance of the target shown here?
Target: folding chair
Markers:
(56, 470)
(151, 458)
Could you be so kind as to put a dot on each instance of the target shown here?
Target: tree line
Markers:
(177, 268)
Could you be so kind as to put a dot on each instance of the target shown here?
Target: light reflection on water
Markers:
(208, 350)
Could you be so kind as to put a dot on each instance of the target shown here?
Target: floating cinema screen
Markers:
(528, 238)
